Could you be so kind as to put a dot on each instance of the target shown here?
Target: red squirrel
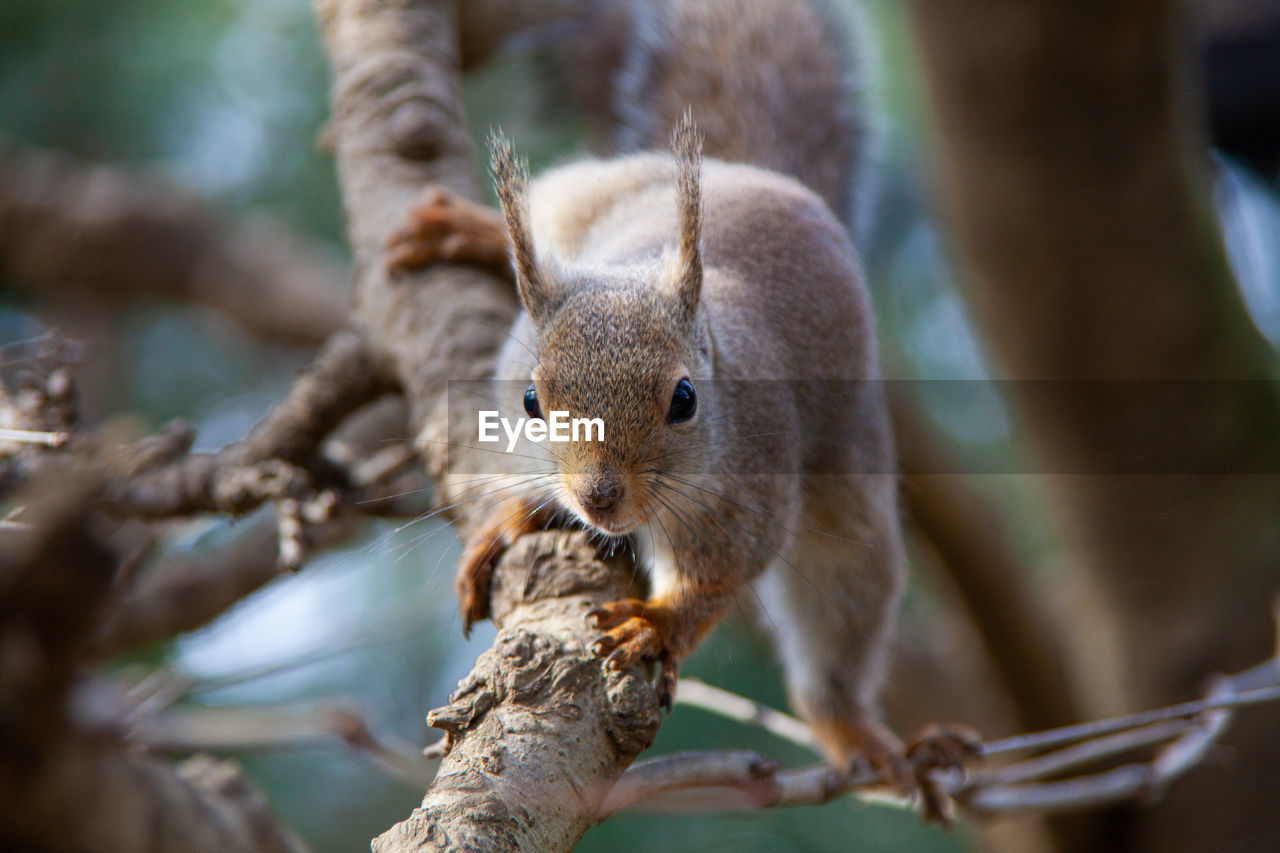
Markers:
(682, 300)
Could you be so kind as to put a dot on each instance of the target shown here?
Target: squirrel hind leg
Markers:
(846, 738)
(907, 769)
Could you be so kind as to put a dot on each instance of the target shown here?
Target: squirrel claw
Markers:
(617, 659)
(665, 686)
(616, 612)
(628, 644)
(945, 747)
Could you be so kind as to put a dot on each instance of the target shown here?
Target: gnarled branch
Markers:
(65, 782)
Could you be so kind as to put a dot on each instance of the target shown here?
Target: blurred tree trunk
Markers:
(1074, 182)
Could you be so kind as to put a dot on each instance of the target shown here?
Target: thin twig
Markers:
(31, 436)
(707, 781)
(1069, 734)
(1085, 752)
(699, 694)
(279, 727)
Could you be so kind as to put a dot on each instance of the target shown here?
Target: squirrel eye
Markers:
(531, 402)
(684, 402)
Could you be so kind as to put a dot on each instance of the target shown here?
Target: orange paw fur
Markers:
(448, 227)
(907, 770)
(508, 521)
(639, 631)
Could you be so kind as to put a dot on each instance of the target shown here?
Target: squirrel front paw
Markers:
(448, 227)
(508, 521)
(639, 631)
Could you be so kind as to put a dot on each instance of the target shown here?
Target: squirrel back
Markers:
(773, 83)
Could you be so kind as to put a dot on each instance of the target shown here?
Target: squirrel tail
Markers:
(769, 82)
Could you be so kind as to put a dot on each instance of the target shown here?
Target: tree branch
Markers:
(65, 783)
(279, 727)
(68, 225)
(539, 731)
(279, 458)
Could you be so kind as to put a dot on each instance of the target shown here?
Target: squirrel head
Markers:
(627, 345)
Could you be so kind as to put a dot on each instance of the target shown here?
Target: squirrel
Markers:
(688, 301)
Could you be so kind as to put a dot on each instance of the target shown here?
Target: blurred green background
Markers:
(227, 98)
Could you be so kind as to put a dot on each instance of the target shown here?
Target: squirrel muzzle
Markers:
(602, 496)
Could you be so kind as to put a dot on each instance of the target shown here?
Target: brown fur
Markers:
(768, 80)
(762, 492)
(686, 145)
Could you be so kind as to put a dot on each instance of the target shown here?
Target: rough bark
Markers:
(397, 128)
(1074, 185)
(539, 735)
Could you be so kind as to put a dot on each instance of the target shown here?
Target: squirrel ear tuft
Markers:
(686, 145)
(511, 180)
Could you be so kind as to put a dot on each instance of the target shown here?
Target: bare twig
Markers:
(699, 694)
(1184, 710)
(279, 458)
(279, 727)
(1085, 752)
(1127, 782)
(708, 781)
(733, 780)
(29, 436)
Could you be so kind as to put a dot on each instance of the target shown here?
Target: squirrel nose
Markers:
(602, 497)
